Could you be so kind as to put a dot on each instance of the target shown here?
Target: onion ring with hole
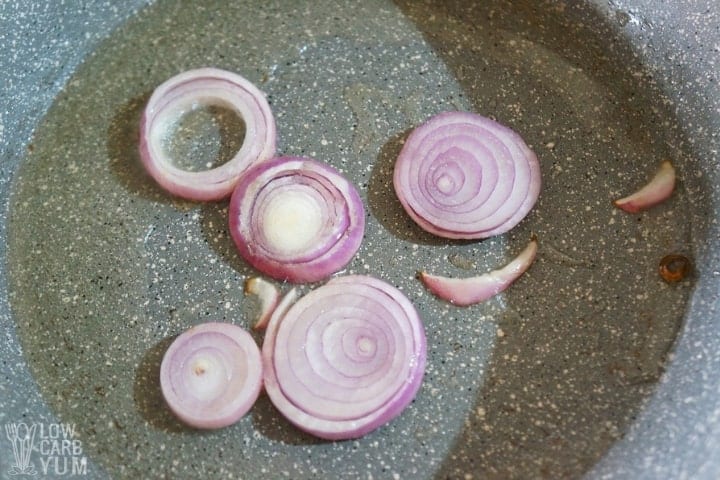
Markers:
(186, 91)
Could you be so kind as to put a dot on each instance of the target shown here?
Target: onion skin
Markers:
(183, 92)
(653, 193)
(268, 295)
(328, 201)
(464, 176)
(345, 359)
(211, 375)
(469, 291)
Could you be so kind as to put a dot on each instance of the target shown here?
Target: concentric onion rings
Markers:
(346, 358)
(464, 176)
(211, 375)
(186, 91)
(296, 219)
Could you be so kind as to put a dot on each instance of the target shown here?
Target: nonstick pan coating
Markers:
(589, 366)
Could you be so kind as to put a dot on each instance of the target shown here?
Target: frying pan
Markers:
(589, 366)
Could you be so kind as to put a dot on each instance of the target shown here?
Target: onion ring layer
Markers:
(267, 294)
(187, 91)
(656, 191)
(472, 290)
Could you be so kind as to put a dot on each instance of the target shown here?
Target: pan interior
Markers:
(105, 268)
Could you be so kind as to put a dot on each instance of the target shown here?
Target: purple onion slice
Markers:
(472, 290)
(185, 92)
(346, 358)
(267, 294)
(464, 176)
(296, 219)
(211, 375)
(656, 191)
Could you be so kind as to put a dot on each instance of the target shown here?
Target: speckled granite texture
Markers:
(566, 375)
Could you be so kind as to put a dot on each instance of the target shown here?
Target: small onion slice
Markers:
(268, 295)
(296, 219)
(346, 358)
(211, 375)
(185, 92)
(464, 176)
(469, 291)
(654, 192)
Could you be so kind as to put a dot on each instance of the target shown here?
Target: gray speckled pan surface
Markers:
(589, 366)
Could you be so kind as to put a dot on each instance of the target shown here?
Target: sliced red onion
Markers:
(461, 175)
(268, 295)
(211, 375)
(656, 191)
(296, 219)
(188, 91)
(469, 291)
(283, 305)
(346, 358)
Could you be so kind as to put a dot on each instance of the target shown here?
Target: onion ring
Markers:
(211, 375)
(296, 219)
(187, 91)
(346, 358)
(464, 176)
